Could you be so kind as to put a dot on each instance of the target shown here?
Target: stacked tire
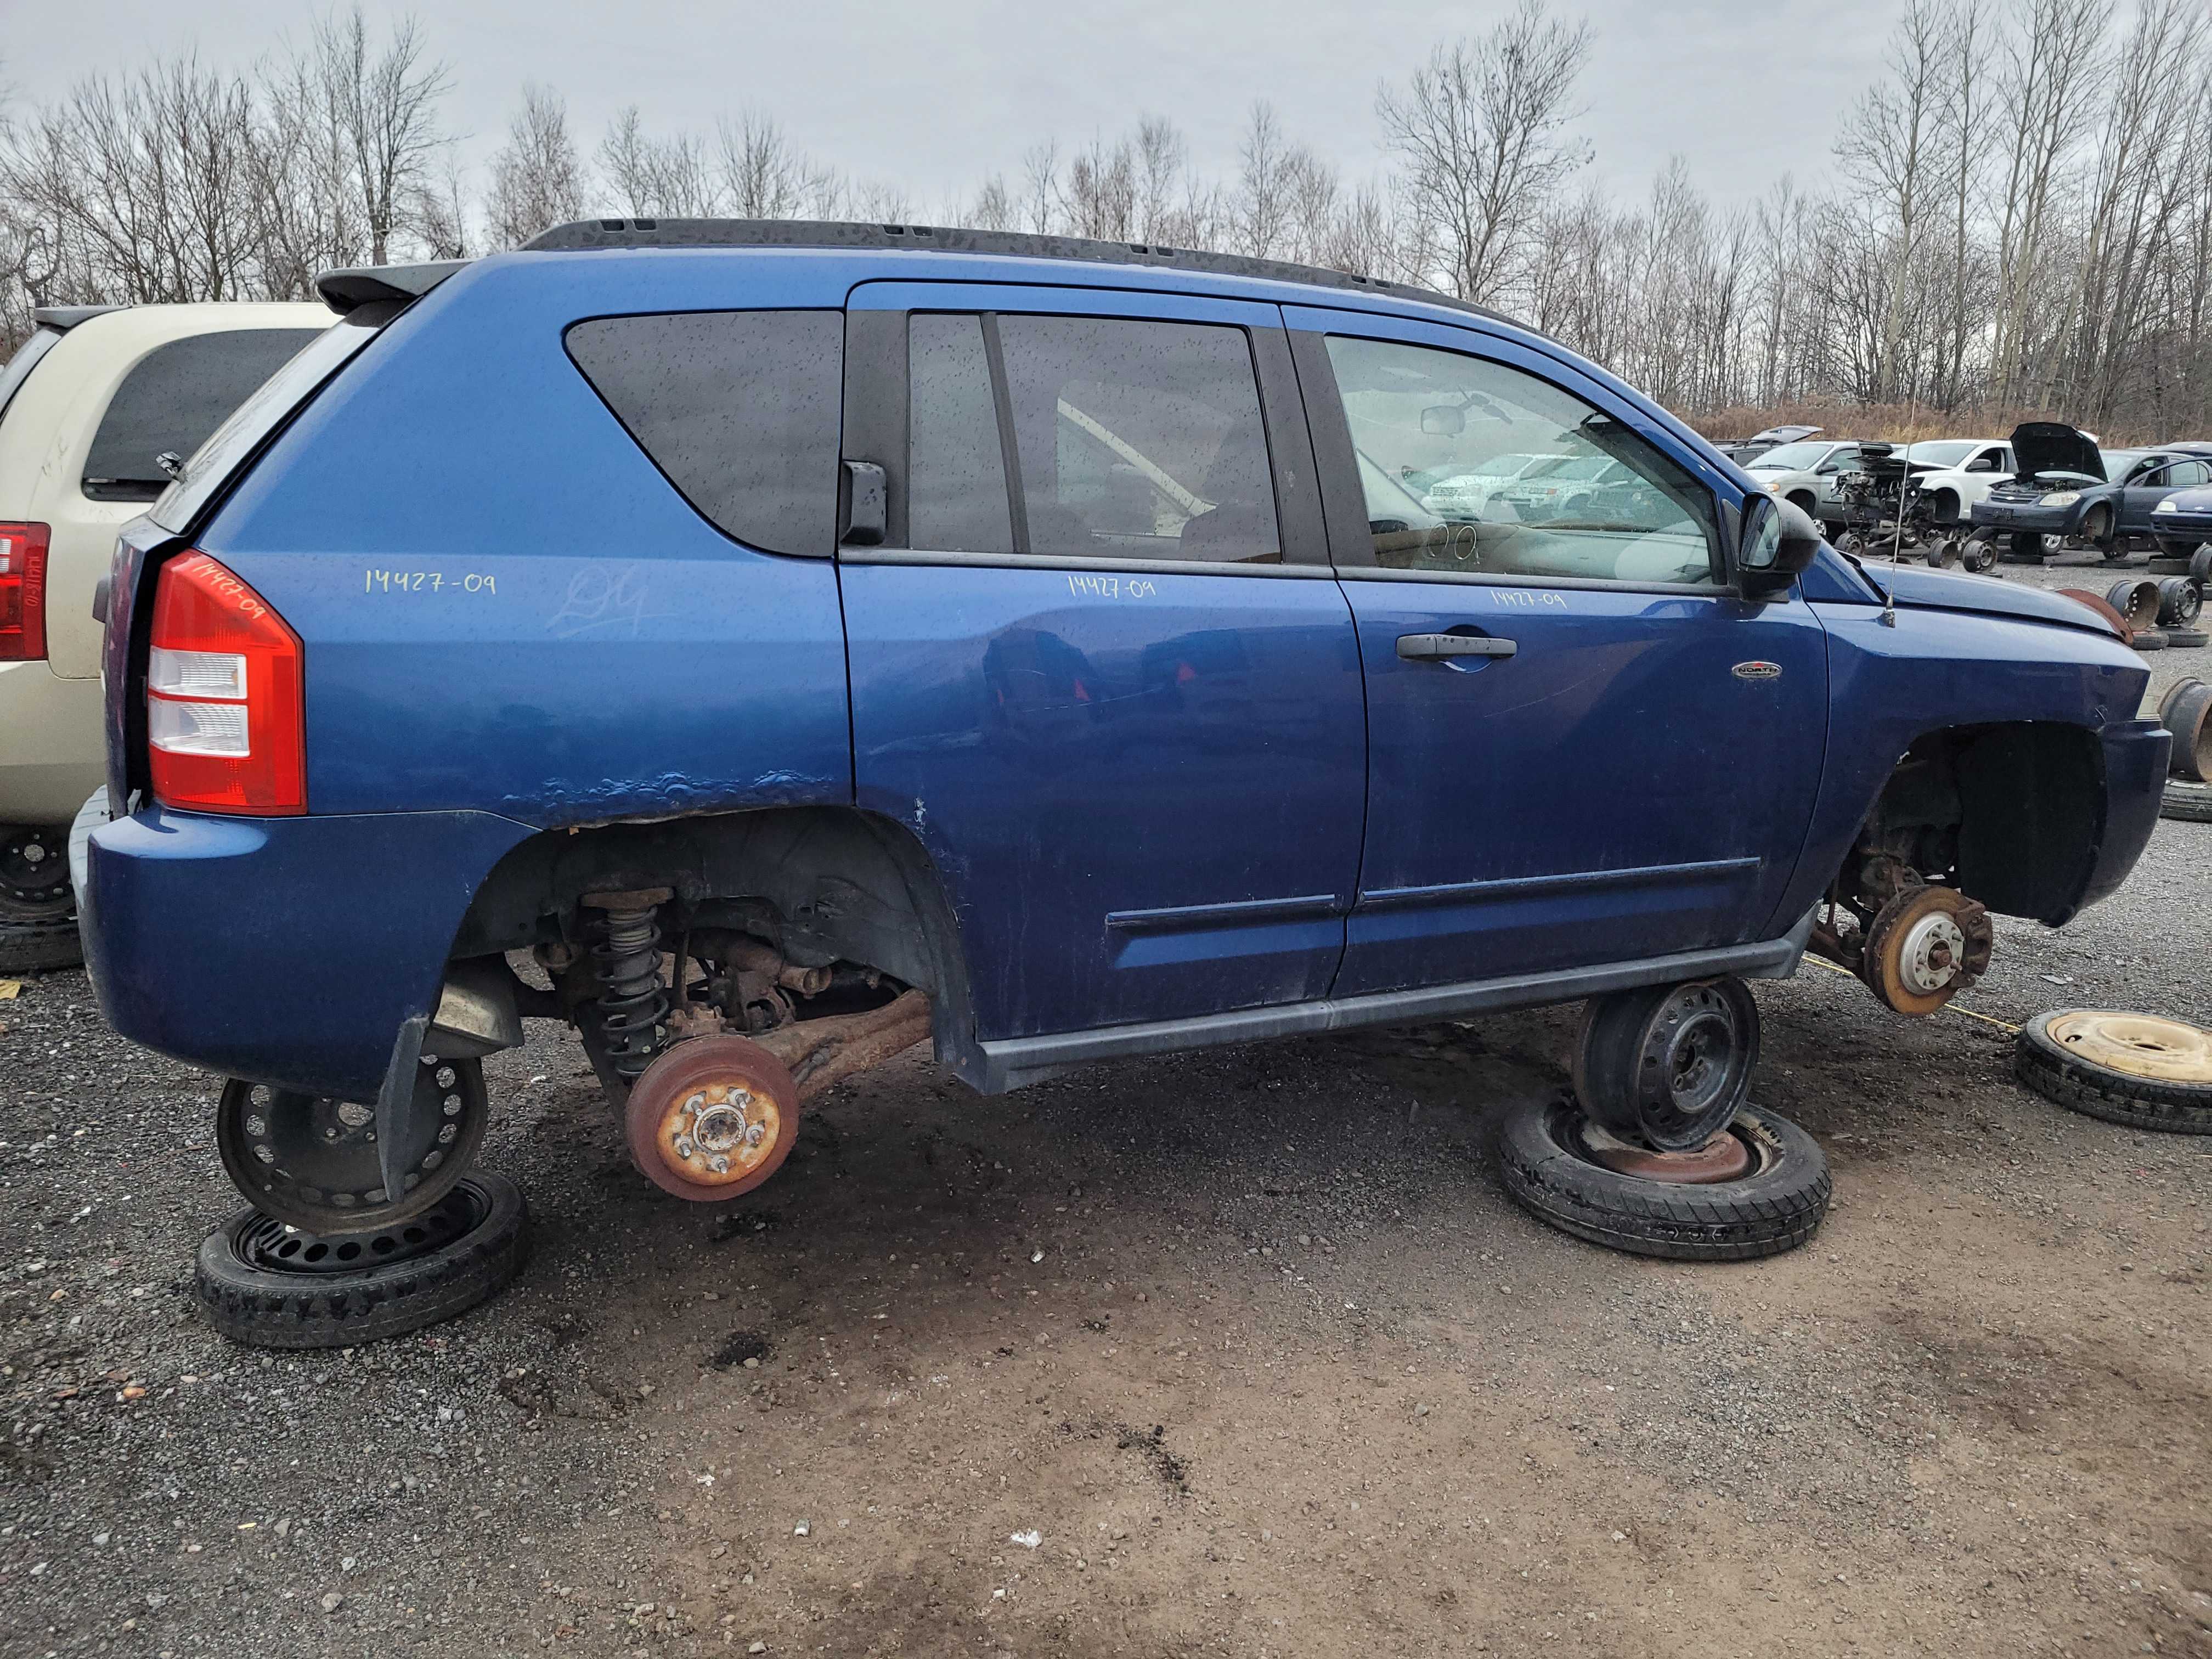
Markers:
(2184, 711)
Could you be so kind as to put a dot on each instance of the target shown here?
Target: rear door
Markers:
(1101, 666)
(1585, 747)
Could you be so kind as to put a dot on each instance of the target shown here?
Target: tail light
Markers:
(22, 593)
(225, 710)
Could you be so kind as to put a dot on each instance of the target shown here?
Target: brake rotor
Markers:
(313, 1161)
(1923, 947)
(1723, 1158)
(712, 1117)
(2139, 1045)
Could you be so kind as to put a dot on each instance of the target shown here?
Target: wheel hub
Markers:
(712, 1117)
(1934, 950)
(271, 1246)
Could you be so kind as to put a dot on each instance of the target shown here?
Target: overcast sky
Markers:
(932, 96)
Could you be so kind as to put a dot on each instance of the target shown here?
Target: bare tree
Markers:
(536, 181)
(1483, 130)
(387, 104)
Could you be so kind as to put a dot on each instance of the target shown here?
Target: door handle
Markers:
(1429, 647)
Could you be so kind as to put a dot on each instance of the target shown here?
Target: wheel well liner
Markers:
(824, 883)
(2014, 812)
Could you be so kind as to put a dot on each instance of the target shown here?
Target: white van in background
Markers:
(89, 406)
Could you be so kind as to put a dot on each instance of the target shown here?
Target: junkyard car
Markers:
(2183, 521)
(805, 640)
(1804, 473)
(1464, 494)
(88, 404)
(2069, 488)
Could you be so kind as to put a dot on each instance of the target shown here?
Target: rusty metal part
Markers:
(2095, 602)
(758, 956)
(1723, 1157)
(823, 1051)
(712, 1118)
(2138, 1045)
(1829, 941)
(1925, 946)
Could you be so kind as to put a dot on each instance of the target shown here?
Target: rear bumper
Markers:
(2135, 780)
(51, 751)
(288, 951)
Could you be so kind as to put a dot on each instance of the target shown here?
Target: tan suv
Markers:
(88, 409)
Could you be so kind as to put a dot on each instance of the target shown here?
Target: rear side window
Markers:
(956, 468)
(1138, 438)
(739, 409)
(172, 398)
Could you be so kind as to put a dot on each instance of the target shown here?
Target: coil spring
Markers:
(633, 1004)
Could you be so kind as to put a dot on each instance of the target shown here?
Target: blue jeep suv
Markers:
(767, 645)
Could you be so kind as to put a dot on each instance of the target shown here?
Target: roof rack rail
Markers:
(65, 318)
(1008, 244)
(360, 285)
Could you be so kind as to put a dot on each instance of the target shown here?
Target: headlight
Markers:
(1774, 489)
(2064, 498)
(2166, 505)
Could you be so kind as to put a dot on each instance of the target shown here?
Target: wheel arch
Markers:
(2011, 811)
(823, 883)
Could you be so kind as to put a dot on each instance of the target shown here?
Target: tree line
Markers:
(2018, 217)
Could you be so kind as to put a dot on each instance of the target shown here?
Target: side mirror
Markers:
(1443, 421)
(1778, 542)
(1981, 464)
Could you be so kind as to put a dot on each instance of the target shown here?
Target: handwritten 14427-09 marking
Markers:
(1110, 587)
(426, 582)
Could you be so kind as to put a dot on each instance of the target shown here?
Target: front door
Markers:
(1585, 748)
(1101, 666)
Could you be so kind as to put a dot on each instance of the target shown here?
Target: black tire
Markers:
(2200, 564)
(251, 1301)
(2187, 637)
(2186, 802)
(2065, 1078)
(55, 945)
(1777, 1207)
(2026, 547)
(2149, 639)
(1945, 507)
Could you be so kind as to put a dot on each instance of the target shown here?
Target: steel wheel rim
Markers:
(313, 1161)
(34, 868)
(1691, 1068)
(2136, 1045)
(270, 1246)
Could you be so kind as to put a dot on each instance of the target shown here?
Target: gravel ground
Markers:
(1250, 1339)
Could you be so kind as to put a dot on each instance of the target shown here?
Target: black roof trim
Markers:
(1006, 244)
(65, 318)
(345, 290)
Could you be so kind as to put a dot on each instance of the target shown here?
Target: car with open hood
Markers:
(1024, 647)
(2070, 488)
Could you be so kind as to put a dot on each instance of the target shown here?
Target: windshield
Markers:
(2118, 461)
(255, 419)
(1941, 452)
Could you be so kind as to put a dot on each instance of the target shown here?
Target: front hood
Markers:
(2198, 500)
(2039, 447)
(1917, 586)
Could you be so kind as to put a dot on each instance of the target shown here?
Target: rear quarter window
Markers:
(172, 398)
(739, 409)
